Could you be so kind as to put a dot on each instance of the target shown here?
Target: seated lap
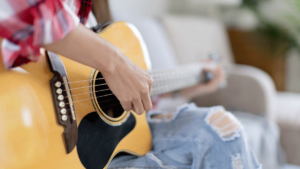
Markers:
(195, 137)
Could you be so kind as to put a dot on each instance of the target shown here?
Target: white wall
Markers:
(122, 9)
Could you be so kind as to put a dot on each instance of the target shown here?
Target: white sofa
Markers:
(191, 39)
(249, 89)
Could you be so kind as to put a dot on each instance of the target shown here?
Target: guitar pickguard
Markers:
(98, 140)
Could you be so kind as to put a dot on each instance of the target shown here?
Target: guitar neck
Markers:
(165, 81)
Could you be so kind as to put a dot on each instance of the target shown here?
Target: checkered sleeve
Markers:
(26, 25)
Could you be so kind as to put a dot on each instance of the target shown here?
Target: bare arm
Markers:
(128, 82)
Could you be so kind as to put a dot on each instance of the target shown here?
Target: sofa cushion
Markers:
(263, 138)
(194, 38)
(288, 110)
(288, 166)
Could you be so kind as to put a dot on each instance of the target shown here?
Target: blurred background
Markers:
(259, 43)
(269, 29)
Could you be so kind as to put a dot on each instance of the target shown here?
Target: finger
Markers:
(150, 85)
(191, 89)
(220, 75)
(208, 69)
(146, 102)
(207, 60)
(217, 72)
(126, 105)
(138, 106)
(215, 80)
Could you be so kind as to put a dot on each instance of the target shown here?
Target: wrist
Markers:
(111, 59)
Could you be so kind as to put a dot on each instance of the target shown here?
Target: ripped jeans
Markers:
(190, 139)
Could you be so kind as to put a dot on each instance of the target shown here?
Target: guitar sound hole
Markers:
(108, 102)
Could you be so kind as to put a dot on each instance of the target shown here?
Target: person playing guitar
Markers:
(192, 137)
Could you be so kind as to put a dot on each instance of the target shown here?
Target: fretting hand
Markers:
(206, 88)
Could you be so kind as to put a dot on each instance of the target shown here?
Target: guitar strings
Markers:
(95, 92)
(92, 98)
(92, 104)
(102, 84)
(154, 75)
(76, 101)
(91, 112)
(87, 86)
(158, 78)
(76, 108)
(88, 92)
(92, 92)
(84, 80)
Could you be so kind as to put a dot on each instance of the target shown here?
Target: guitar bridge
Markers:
(63, 102)
(70, 100)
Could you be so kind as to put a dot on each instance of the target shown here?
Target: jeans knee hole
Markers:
(224, 123)
(236, 162)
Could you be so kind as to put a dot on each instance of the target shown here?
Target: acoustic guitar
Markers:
(60, 114)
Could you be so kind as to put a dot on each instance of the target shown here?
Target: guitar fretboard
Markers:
(165, 81)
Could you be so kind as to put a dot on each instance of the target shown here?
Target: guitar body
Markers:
(30, 133)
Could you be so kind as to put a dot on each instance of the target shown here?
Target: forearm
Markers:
(83, 46)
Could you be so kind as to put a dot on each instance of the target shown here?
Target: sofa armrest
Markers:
(249, 90)
(288, 118)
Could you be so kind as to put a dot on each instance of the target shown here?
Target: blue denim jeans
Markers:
(188, 140)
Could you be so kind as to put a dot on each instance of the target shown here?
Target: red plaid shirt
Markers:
(26, 25)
